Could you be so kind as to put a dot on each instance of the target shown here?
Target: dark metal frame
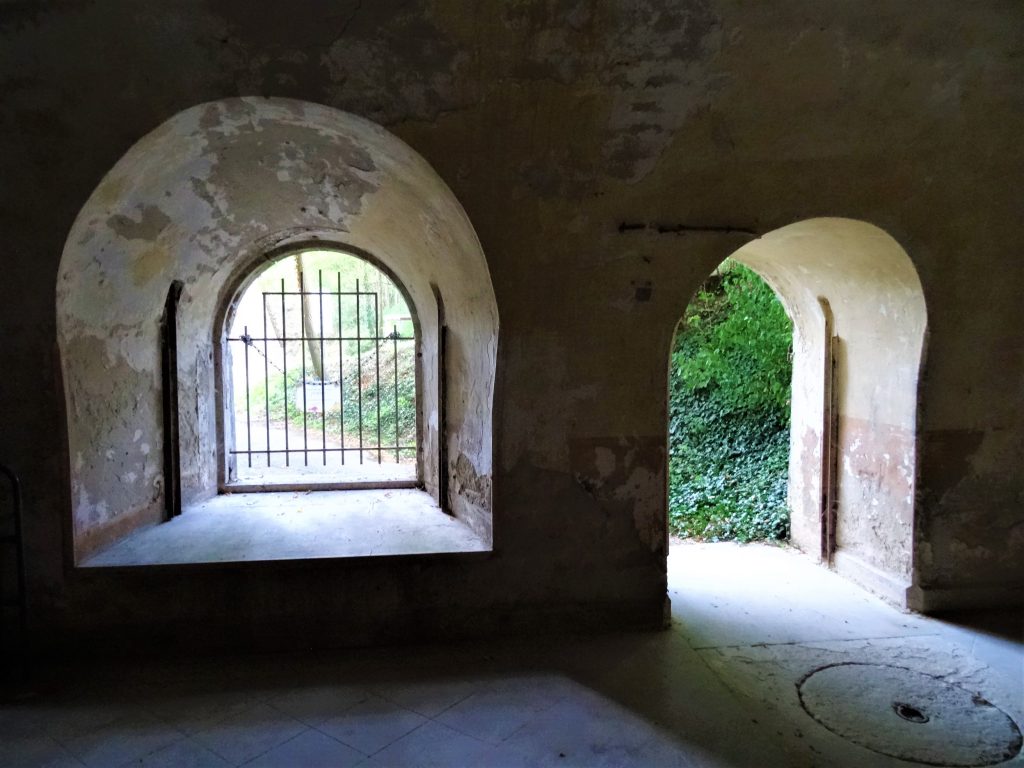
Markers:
(169, 401)
(223, 321)
(829, 510)
(250, 341)
(444, 500)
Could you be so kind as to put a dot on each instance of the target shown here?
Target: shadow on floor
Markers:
(716, 689)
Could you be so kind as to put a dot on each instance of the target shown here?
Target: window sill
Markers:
(310, 525)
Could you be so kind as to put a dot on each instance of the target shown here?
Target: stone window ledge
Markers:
(259, 527)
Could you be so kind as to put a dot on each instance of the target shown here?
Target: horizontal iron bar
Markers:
(323, 338)
(319, 293)
(368, 447)
(356, 485)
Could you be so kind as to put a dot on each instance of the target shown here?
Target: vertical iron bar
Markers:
(341, 375)
(359, 368)
(323, 369)
(248, 415)
(302, 342)
(376, 354)
(169, 376)
(833, 469)
(398, 442)
(828, 435)
(266, 377)
(442, 403)
(284, 372)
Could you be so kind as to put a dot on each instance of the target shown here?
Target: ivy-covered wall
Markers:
(729, 407)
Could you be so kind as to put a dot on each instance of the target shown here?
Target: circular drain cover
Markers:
(909, 715)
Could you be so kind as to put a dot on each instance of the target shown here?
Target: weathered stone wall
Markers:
(608, 155)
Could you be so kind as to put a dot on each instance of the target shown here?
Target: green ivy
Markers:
(729, 412)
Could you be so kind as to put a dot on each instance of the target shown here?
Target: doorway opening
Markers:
(729, 411)
(859, 326)
(319, 356)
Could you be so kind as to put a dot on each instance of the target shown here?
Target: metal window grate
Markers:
(323, 383)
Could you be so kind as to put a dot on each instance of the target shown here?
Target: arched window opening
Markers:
(320, 357)
(235, 209)
(729, 411)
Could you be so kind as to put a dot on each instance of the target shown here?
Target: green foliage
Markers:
(736, 343)
(729, 412)
(402, 411)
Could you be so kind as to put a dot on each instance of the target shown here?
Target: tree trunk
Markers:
(275, 326)
(307, 323)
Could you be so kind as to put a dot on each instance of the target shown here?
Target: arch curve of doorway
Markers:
(197, 202)
(859, 330)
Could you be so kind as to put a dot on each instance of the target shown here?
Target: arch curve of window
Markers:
(202, 201)
(318, 365)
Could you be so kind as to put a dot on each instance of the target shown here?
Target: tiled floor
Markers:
(716, 690)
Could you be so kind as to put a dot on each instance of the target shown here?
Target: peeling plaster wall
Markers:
(879, 318)
(205, 198)
(609, 155)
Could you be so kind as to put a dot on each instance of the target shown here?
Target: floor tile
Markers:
(67, 721)
(250, 733)
(310, 749)
(502, 756)
(433, 745)
(192, 711)
(493, 716)
(38, 751)
(184, 753)
(313, 705)
(372, 724)
(429, 698)
(583, 732)
(122, 741)
(541, 688)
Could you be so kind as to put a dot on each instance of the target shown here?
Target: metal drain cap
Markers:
(909, 715)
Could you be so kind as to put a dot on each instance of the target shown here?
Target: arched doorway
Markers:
(859, 326)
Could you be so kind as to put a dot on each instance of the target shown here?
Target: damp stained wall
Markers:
(608, 155)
